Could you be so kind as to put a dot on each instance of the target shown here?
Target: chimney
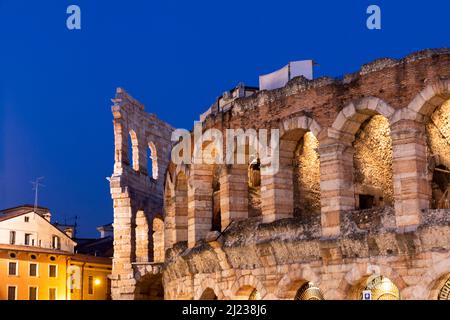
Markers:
(69, 232)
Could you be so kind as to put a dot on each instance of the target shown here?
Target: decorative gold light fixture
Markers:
(309, 291)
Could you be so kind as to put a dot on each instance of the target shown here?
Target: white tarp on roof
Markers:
(279, 78)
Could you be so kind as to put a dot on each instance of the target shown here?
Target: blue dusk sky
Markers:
(176, 57)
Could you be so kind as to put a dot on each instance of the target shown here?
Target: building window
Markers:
(52, 294)
(27, 239)
(27, 219)
(12, 237)
(56, 242)
(33, 269)
(32, 294)
(52, 271)
(90, 285)
(12, 268)
(12, 291)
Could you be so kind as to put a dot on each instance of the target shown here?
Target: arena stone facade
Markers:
(361, 197)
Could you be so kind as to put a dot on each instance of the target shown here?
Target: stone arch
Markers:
(244, 287)
(366, 178)
(134, 148)
(277, 195)
(427, 100)
(293, 280)
(352, 281)
(350, 118)
(142, 238)
(153, 161)
(158, 239)
(411, 150)
(208, 286)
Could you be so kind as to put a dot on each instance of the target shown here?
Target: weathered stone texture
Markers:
(381, 132)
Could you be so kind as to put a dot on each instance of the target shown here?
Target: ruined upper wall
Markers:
(394, 81)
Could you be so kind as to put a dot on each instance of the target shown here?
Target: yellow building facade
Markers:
(33, 274)
(38, 260)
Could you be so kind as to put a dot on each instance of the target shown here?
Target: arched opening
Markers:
(158, 240)
(216, 223)
(308, 291)
(150, 287)
(208, 294)
(438, 140)
(142, 237)
(372, 162)
(247, 292)
(181, 207)
(133, 150)
(152, 160)
(254, 188)
(299, 174)
(306, 177)
(376, 287)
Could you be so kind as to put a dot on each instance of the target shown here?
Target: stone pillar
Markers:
(181, 209)
(200, 202)
(233, 194)
(122, 278)
(411, 187)
(336, 183)
(142, 237)
(169, 220)
(158, 240)
(277, 190)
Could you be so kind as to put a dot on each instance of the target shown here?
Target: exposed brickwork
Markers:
(265, 246)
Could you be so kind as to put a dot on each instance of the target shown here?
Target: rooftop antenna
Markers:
(36, 184)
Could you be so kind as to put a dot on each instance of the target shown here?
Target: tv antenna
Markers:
(36, 184)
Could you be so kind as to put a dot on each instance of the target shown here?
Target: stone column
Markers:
(200, 202)
(158, 241)
(277, 190)
(169, 221)
(122, 278)
(336, 183)
(233, 194)
(142, 237)
(411, 187)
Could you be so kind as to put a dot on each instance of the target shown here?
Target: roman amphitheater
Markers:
(358, 208)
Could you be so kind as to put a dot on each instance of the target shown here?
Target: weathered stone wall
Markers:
(277, 258)
(373, 161)
(307, 177)
(438, 134)
(370, 128)
(137, 196)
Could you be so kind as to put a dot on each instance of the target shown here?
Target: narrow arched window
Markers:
(133, 150)
(152, 159)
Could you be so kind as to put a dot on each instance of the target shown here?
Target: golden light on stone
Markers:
(254, 295)
(307, 175)
(97, 282)
(438, 139)
(373, 160)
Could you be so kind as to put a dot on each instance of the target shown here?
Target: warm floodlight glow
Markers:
(97, 282)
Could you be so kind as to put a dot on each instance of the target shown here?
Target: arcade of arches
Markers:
(359, 208)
